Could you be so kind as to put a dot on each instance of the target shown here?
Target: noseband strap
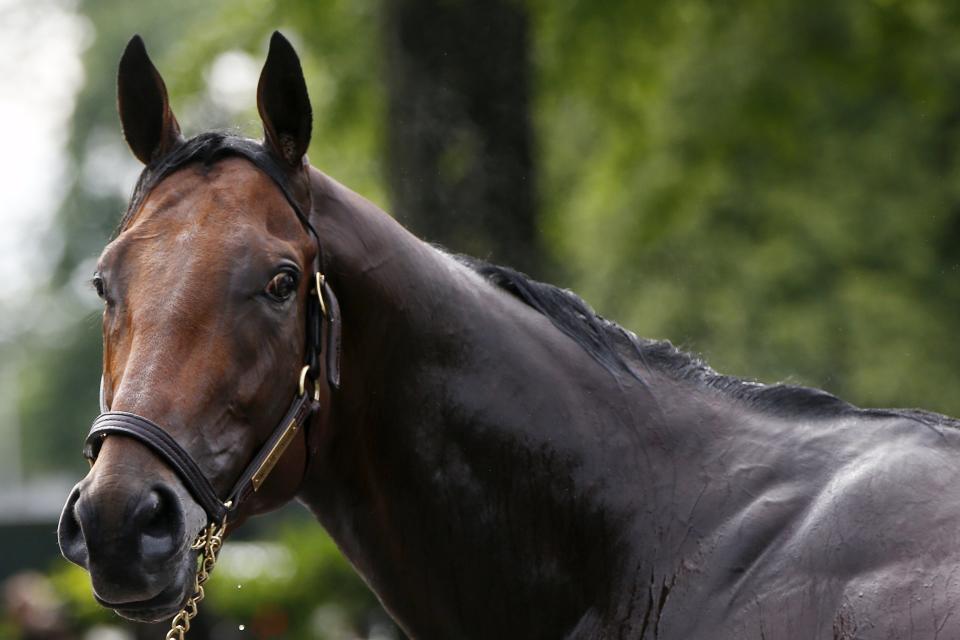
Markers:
(152, 435)
(166, 448)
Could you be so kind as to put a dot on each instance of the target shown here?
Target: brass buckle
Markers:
(303, 383)
(303, 378)
(320, 280)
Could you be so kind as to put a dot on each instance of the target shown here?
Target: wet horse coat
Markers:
(499, 462)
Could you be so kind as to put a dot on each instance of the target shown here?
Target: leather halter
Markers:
(322, 340)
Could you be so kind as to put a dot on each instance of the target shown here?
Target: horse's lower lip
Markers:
(163, 605)
(145, 613)
(155, 609)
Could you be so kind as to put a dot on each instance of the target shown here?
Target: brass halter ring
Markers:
(303, 383)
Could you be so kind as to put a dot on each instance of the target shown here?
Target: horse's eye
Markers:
(282, 286)
(99, 286)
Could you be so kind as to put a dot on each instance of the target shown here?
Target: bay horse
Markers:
(494, 459)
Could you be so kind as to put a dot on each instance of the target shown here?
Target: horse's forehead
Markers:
(231, 192)
(206, 212)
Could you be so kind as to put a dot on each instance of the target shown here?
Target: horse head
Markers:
(207, 290)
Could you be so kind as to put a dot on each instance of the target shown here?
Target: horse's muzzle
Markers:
(133, 541)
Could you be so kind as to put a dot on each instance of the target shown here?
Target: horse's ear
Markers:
(148, 123)
(283, 102)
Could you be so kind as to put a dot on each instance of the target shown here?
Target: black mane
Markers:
(601, 338)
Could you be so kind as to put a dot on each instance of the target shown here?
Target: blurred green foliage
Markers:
(773, 184)
(302, 570)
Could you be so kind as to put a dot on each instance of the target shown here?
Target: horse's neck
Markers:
(478, 465)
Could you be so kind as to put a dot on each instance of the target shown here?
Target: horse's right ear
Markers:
(148, 123)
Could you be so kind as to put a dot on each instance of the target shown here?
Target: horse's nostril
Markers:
(150, 510)
(69, 532)
(160, 522)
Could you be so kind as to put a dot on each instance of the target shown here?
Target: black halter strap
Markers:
(322, 340)
(161, 443)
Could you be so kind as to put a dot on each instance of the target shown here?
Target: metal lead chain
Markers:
(210, 540)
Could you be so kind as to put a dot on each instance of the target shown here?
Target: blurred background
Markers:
(772, 184)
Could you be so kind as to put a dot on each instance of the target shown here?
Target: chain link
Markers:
(210, 540)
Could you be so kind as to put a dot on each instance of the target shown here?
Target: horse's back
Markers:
(873, 554)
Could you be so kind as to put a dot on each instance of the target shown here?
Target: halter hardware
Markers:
(321, 280)
(274, 453)
(304, 372)
(209, 542)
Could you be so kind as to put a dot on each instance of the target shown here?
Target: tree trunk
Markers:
(459, 137)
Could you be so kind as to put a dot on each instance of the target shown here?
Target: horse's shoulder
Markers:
(883, 498)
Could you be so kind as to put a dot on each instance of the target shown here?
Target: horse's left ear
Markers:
(283, 102)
